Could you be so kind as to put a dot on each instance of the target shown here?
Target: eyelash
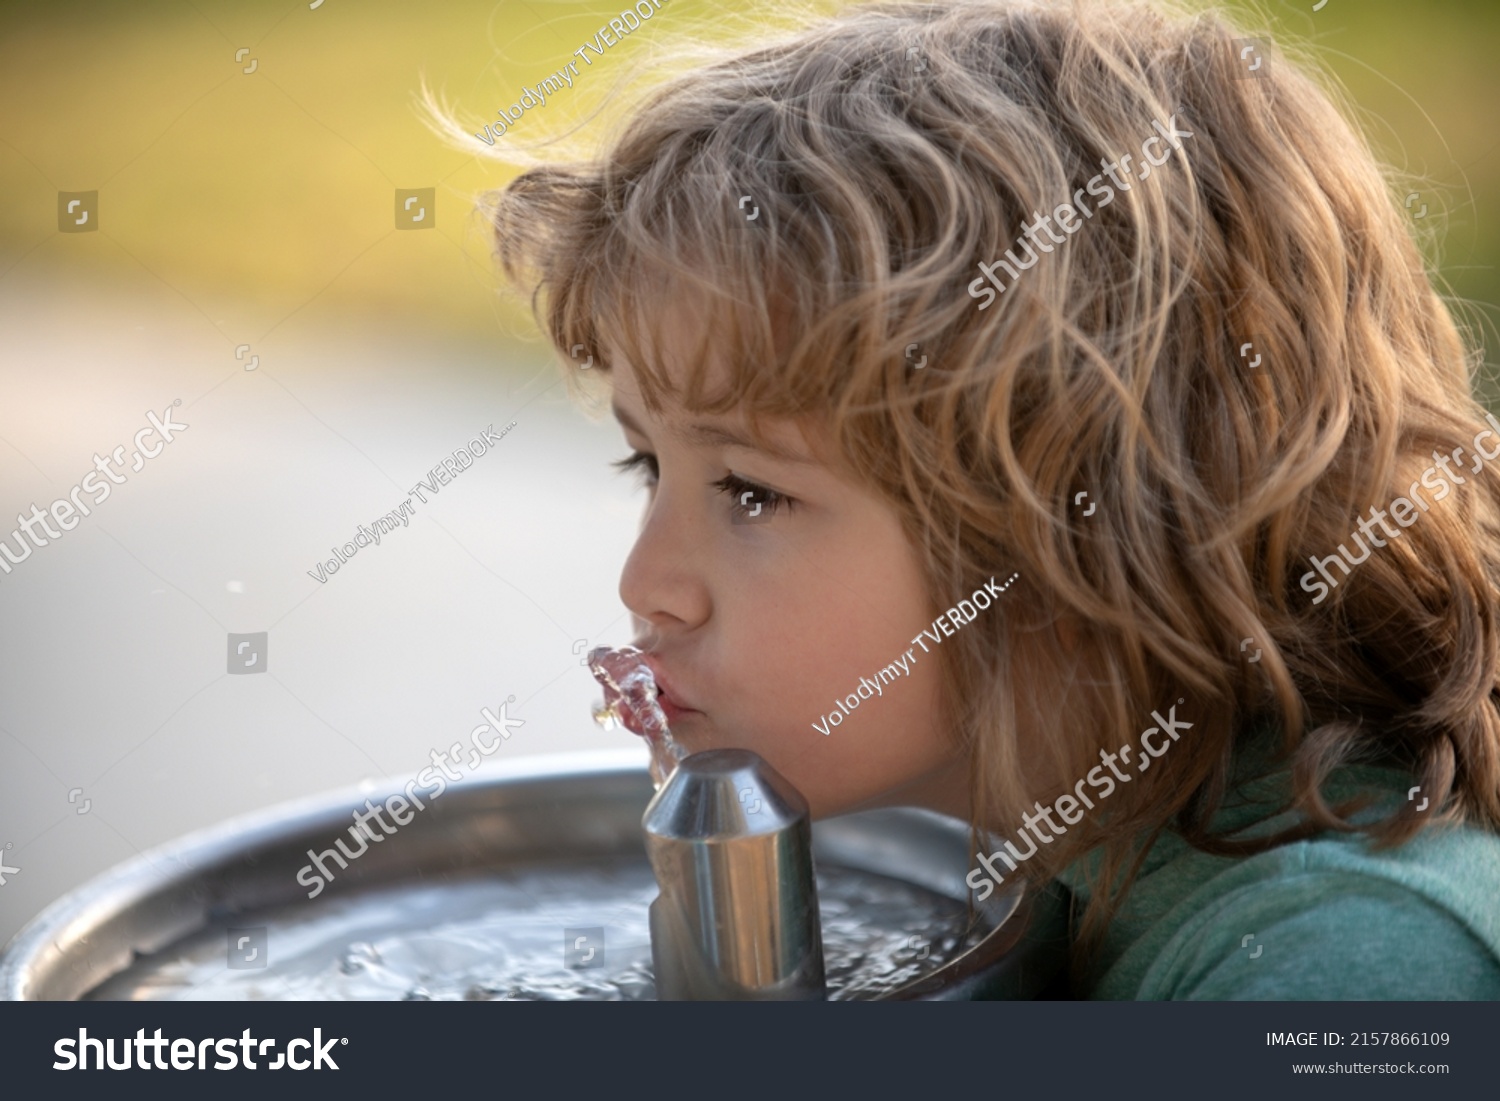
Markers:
(731, 484)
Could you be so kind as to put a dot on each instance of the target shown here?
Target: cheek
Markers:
(798, 631)
(887, 738)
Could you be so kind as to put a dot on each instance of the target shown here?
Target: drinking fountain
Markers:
(506, 886)
(736, 914)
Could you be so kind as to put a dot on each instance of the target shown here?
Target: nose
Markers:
(663, 583)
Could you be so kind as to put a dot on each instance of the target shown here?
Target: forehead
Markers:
(730, 334)
(778, 438)
(678, 361)
(675, 327)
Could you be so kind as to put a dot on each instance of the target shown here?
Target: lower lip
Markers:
(671, 710)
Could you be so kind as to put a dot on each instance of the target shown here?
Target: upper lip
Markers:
(665, 684)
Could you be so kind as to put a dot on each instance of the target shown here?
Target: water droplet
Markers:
(630, 700)
(358, 956)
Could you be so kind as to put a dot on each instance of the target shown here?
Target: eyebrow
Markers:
(708, 435)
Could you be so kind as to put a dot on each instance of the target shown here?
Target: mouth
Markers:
(673, 711)
(672, 706)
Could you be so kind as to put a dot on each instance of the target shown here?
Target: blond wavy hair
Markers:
(889, 149)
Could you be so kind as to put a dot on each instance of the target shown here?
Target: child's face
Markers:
(756, 627)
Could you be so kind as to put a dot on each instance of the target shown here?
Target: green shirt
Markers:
(1321, 919)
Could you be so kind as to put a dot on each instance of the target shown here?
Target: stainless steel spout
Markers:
(737, 915)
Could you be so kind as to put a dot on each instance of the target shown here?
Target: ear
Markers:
(1069, 633)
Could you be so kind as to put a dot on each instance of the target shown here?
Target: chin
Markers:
(691, 730)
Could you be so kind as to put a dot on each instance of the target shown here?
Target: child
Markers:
(1048, 420)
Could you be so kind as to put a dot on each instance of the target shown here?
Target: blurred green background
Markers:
(255, 195)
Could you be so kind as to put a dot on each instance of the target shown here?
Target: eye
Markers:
(749, 499)
(643, 465)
